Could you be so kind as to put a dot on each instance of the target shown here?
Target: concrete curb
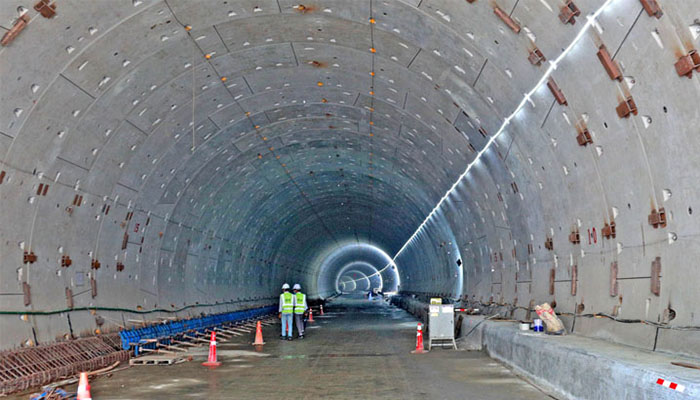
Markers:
(569, 368)
(572, 366)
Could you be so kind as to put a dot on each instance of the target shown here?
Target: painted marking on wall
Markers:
(671, 385)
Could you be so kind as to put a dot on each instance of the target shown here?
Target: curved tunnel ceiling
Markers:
(204, 151)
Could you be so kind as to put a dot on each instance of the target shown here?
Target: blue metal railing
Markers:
(149, 336)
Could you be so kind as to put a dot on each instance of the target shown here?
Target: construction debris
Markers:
(551, 321)
(49, 393)
(21, 369)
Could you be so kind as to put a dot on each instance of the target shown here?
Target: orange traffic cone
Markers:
(84, 387)
(258, 335)
(321, 309)
(311, 315)
(211, 362)
(419, 341)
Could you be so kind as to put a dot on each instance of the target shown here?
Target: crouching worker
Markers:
(299, 309)
(286, 311)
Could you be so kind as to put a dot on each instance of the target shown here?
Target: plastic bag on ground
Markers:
(551, 321)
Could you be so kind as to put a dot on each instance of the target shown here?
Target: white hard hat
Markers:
(297, 286)
(285, 286)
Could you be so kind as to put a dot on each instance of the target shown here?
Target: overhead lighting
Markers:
(590, 21)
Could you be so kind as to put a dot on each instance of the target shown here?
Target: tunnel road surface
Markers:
(357, 350)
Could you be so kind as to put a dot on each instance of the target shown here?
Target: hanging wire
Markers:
(193, 99)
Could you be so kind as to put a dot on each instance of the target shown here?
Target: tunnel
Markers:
(172, 160)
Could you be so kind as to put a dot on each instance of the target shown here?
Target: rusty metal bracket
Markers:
(614, 287)
(483, 132)
(69, 298)
(558, 94)
(584, 136)
(574, 279)
(574, 236)
(689, 62)
(608, 230)
(568, 13)
(656, 276)
(536, 57)
(657, 219)
(45, 9)
(120, 267)
(66, 262)
(626, 108)
(552, 278)
(29, 257)
(93, 286)
(609, 64)
(652, 8)
(2, 176)
(27, 291)
(514, 26)
(95, 264)
(549, 243)
(19, 25)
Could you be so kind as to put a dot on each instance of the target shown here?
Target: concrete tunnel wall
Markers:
(207, 151)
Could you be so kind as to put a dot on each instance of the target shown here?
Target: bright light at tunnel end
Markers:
(386, 258)
(590, 21)
(346, 269)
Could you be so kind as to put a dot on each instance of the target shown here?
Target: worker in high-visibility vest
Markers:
(299, 309)
(286, 312)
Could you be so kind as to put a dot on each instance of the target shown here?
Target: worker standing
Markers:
(299, 309)
(286, 311)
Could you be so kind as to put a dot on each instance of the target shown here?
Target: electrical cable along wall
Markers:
(174, 156)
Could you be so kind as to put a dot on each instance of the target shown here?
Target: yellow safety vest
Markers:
(299, 308)
(287, 304)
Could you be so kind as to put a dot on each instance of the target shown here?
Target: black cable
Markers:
(117, 309)
(602, 315)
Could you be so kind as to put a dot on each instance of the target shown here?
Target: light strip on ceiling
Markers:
(590, 21)
(552, 66)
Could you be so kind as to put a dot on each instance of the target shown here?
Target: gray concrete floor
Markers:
(359, 350)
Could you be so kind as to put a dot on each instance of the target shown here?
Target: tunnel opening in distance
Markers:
(357, 266)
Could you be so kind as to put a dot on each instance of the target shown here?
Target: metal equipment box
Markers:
(441, 326)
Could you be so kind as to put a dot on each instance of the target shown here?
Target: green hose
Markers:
(117, 309)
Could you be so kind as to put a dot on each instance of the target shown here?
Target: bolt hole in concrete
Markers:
(669, 314)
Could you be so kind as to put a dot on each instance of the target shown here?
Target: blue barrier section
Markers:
(149, 336)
